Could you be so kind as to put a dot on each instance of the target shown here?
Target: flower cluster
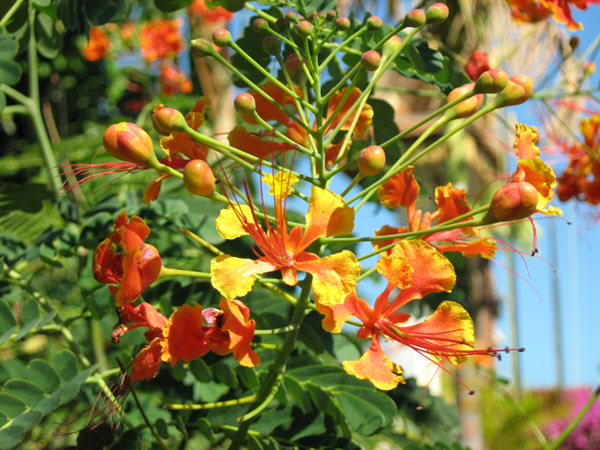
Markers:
(560, 10)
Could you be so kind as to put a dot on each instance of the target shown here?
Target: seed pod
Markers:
(371, 160)
(370, 60)
(198, 178)
(513, 201)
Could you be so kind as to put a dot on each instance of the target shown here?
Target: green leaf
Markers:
(47, 405)
(171, 5)
(2, 101)
(24, 390)
(161, 428)
(8, 46)
(366, 410)
(225, 374)
(27, 420)
(42, 374)
(10, 405)
(247, 375)
(253, 443)
(324, 401)
(69, 11)
(206, 429)
(305, 373)
(8, 324)
(105, 11)
(30, 316)
(343, 349)
(229, 5)
(48, 39)
(3, 419)
(11, 436)
(65, 364)
(200, 370)
(298, 393)
(10, 72)
(310, 338)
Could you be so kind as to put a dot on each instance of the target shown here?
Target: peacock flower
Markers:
(536, 10)
(365, 115)
(190, 332)
(402, 190)
(97, 46)
(417, 269)
(160, 39)
(334, 276)
(174, 80)
(209, 16)
(133, 270)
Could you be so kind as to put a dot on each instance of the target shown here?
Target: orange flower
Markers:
(160, 39)
(334, 276)
(209, 16)
(365, 114)
(97, 46)
(133, 270)
(184, 336)
(174, 81)
(534, 11)
(477, 64)
(402, 190)
(418, 269)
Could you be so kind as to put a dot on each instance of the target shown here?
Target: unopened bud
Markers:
(437, 13)
(167, 120)
(370, 60)
(343, 23)
(466, 107)
(245, 103)
(518, 90)
(491, 81)
(291, 16)
(222, 37)
(391, 47)
(331, 14)
(574, 42)
(271, 45)
(371, 160)
(201, 47)
(304, 28)
(198, 178)
(513, 201)
(415, 18)
(260, 25)
(128, 142)
(589, 69)
(374, 23)
(282, 25)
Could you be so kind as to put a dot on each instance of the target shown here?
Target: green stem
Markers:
(269, 388)
(342, 46)
(211, 405)
(274, 330)
(10, 12)
(145, 417)
(567, 431)
(168, 272)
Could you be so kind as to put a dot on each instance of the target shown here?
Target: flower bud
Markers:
(245, 103)
(260, 25)
(370, 60)
(271, 45)
(392, 45)
(282, 25)
(304, 28)
(589, 69)
(291, 16)
(331, 14)
(437, 13)
(415, 18)
(491, 81)
(513, 201)
(128, 142)
(343, 23)
(198, 178)
(222, 37)
(518, 90)
(466, 107)
(201, 47)
(167, 120)
(371, 160)
(374, 23)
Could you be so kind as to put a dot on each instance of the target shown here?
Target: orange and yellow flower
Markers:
(334, 276)
(209, 16)
(536, 10)
(133, 270)
(160, 39)
(184, 336)
(97, 46)
(418, 269)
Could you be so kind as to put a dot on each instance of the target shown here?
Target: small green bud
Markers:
(304, 28)
(260, 25)
(167, 120)
(343, 23)
(198, 178)
(245, 103)
(291, 16)
(222, 37)
(370, 60)
(374, 23)
(491, 81)
(437, 13)
(331, 14)
(271, 45)
(201, 47)
(128, 142)
(371, 160)
(392, 45)
(415, 18)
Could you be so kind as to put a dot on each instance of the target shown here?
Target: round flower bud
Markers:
(374, 23)
(282, 25)
(342, 23)
(491, 81)
(370, 60)
(437, 13)
(371, 160)
(198, 178)
(518, 90)
(513, 201)
(222, 37)
(415, 18)
(245, 103)
(392, 45)
(304, 28)
(201, 47)
(331, 14)
(291, 16)
(260, 25)
(589, 69)
(466, 107)
(271, 45)
(128, 142)
(167, 120)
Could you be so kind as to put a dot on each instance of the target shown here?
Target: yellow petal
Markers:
(542, 177)
(234, 277)
(280, 184)
(396, 270)
(525, 141)
(376, 367)
(229, 222)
